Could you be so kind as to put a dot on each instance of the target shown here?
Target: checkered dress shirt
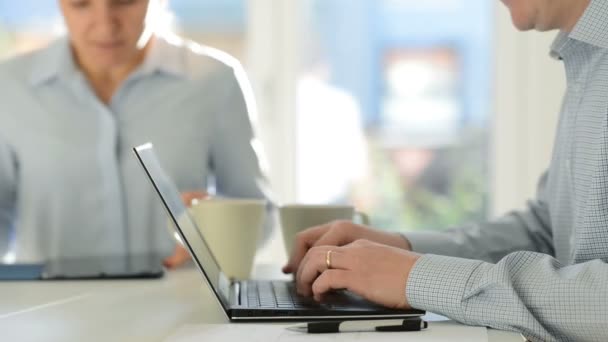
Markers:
(542, 271)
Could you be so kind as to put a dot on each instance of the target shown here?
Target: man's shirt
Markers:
(544, 270)
(69, 183)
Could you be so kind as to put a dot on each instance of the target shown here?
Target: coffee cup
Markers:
(232, 229)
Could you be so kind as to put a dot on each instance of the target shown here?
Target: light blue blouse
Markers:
(69, 183)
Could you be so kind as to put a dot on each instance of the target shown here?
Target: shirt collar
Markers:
(53, 62)
(591, 29)
(57, 61)
(165, 56)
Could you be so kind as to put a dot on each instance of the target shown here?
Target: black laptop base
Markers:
(287, 305)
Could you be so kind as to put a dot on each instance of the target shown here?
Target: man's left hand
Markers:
(374, 271)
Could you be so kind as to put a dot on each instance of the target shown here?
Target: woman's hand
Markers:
(180, 255)
(374, 271)
(338, 233)
(189, 196)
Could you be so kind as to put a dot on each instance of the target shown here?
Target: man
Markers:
(542, 271)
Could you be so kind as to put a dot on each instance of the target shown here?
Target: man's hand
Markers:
(374, 271)
(338, 233)
(180, 255)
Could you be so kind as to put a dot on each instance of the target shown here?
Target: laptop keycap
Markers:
(279, 294)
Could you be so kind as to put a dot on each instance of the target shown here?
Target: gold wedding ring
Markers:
(328, 259)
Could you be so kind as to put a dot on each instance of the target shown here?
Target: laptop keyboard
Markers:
(276, 294)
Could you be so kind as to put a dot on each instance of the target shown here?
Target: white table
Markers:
(134, 310)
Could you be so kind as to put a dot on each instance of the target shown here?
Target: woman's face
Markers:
(107, 33)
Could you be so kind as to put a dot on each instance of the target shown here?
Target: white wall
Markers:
(528, 90)
(272, 66)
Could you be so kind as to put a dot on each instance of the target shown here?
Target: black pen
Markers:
(410, 324)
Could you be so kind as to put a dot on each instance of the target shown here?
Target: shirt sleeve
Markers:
(526, 230)
(237, 157)
(526, 292)
(8, 181)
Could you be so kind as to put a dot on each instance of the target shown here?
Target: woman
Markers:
(69, 185)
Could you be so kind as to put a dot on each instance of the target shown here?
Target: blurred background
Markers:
(424, 114)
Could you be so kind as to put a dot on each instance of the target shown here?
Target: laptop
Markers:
(254, 300)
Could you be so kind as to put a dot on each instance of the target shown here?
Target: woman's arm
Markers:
(237, 156)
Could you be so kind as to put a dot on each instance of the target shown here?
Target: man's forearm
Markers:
(490, 241)
(530, 293)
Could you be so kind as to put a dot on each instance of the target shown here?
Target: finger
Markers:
(331, 234)
(189, 196)
(316, 264)
(179, 257)
(303, 263)
(311, 267)
(170, 262)
(316, 260)
(304, 240)
(337, 235)
(334, 279)
(180, 261)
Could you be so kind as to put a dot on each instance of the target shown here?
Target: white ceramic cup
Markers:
(232, 229)
(295, 218)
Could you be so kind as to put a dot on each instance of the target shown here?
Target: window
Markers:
(26, 25)
(393, 112)
(30, 24)
(220, 24)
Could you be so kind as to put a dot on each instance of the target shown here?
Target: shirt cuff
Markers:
(438, 283)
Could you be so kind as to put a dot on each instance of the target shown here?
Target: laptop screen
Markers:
(185, 226)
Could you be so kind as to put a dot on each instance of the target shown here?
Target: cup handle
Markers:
(362, 218)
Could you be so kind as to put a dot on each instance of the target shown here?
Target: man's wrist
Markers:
(437, 283)
(410, 264)
(403, 242)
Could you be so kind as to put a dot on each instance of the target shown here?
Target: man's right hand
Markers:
(339, 233)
